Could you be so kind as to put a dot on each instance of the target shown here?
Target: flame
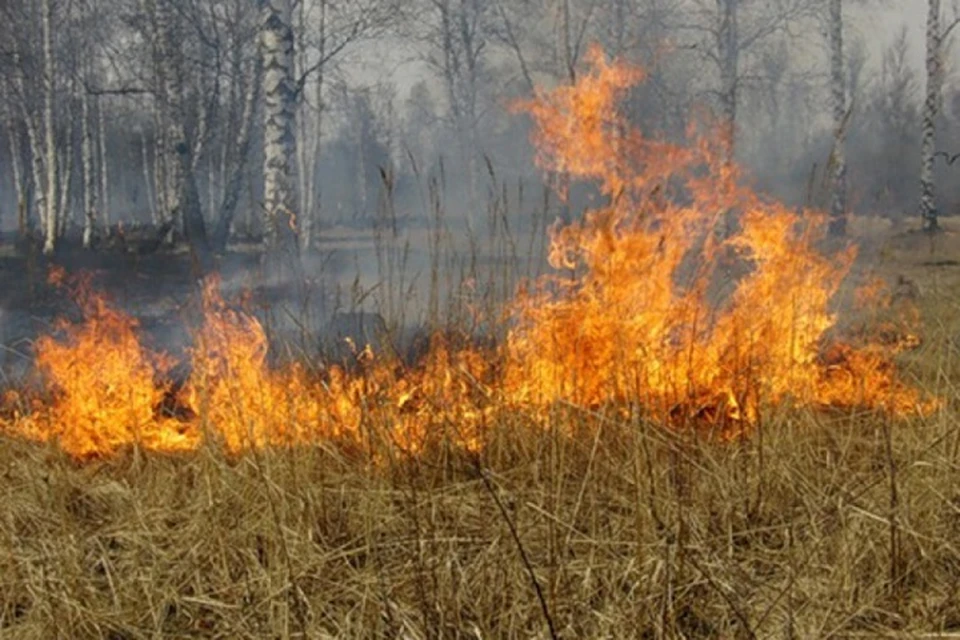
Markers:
(647, 306)
(103, 383)
(640, 318)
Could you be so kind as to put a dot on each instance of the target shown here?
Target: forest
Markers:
(209, 115)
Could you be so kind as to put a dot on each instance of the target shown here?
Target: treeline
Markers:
(217, 117)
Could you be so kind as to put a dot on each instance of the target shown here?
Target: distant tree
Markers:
(724, 33)
(936, 36)
(49, 131)
(890, 132)
(838, 95)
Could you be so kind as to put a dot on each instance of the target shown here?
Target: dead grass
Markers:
(820, 525)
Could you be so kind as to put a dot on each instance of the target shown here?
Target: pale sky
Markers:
(876, 22)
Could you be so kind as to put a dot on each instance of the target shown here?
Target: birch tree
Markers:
(279, 141)
(724, 33)
(325, 32)
(936, 35)
(838, 94)
(49, 132)
(87, 170)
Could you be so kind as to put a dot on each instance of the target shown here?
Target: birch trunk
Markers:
(838, 91)
(13, 138)
(312, 201)
(33, 135)
(928, 193)
(148, 184)
(183, 196)
(172, 124)
(89, 176)
(301, 64)
(728, 50)
(36, 168)
(66, 190)
(234, 186)
(279, 116)
(309, 139)
(50, 141)
(104, 164)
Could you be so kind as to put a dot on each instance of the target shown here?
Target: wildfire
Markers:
(648, 307)
(105, 388)
(656, 309)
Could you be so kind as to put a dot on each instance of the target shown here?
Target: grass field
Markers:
(558, 484)
(819, 524)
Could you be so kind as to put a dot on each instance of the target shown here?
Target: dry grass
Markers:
(826, 525)
(819, 525)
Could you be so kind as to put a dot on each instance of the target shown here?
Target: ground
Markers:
(819, 524)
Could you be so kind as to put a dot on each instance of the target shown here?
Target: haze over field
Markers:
(384, 84)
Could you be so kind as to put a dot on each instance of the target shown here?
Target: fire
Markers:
(647, 307)
(105, 386)
(643, 316)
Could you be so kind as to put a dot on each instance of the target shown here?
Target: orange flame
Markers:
(647, 307)
(642, 320)
(104, 384)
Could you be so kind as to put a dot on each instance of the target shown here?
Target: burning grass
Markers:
(557, 482)
(631, 316)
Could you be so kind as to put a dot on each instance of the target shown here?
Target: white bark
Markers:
(104, 164)
(148, 183)
(171, 103)
(89, 175)
(279, 115)
(13, 138)
(931, 105)
(66, 173)
(28, 111)
(50, 141)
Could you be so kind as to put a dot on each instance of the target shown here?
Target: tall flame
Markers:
(643, 316)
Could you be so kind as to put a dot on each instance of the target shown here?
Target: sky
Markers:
(876, 22)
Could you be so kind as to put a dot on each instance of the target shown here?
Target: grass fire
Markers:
(629, 317)
(705, 418)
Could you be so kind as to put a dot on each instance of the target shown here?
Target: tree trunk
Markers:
(65, 205)
(13, 138)
(234, 186)
(50, 140)
(183, 196)
(89, 177)
(279, 139)
(148, 184)
(728, 52)
(104, 165)
(928, 193)
(168, 83)
(28, 112)
(838, 91)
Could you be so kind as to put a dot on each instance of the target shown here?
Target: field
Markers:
(819, 524)
(676, 433)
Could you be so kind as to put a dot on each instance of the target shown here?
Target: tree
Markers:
(279, 145)
(49, 132)
(935, 38)
(838, 94)
(724, 32)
